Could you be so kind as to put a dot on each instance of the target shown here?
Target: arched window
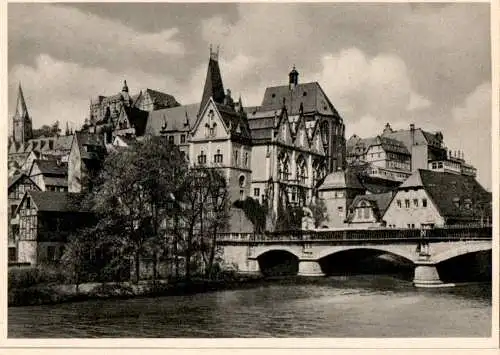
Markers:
(242, 181)
(283, 167)
(301, 170)
(325, 132)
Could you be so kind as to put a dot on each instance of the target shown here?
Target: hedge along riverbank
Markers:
(60, 293)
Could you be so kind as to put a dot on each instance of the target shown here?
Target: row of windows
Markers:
(408, 204)
(171, 139)
(219, 158)
(19, 191)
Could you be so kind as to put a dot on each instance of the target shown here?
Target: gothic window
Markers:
(202, 158)
(236, 155)
(246, 159)
(324, 129)
(242, 181)
(218, 157)
(301, 170)
(283, 164)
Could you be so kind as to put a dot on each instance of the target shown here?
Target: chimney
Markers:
(412, 133)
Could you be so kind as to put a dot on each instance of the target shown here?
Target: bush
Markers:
(27, 277)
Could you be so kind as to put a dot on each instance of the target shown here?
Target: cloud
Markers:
(471, 130)
(78, 31)
(361, 86)
(57, 90)
(417, 102)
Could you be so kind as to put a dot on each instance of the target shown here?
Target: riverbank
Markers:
(62, 293)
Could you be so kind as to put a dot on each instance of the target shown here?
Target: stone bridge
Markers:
(423, 249)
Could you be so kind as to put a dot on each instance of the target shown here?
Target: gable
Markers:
(284, 131)
(210, 124)
(301, 139)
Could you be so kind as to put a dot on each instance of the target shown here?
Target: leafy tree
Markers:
(255, 212)
(217, 213)
(133, 197)
(52, 130)
(319, 212)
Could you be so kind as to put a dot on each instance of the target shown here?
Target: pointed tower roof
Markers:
(213, 82)
(21, 108)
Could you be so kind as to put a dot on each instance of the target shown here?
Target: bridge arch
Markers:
(465, 248)
(278, 262)
(403, 252)
(259, 252)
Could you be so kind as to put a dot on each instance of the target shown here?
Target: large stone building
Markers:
(277, 152)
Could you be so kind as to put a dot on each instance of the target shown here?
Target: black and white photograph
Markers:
(250, 170)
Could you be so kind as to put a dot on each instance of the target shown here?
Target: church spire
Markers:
(22, 130)
(213, 83)
(125, 87)
(21, 109)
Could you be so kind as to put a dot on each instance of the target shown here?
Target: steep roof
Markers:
(13, 180)
(356, 145)
(311, 95)
(236, 122)
(213, 84)
(449, 192)
(341, 179)
(54, 201)
(51, 167)
(162, 99)
(421, 137)
(379, 203)
(21, 108)
(175, 119)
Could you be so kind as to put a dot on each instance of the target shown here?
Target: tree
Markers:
(319, 212)
(217, 213)
(255, 212)
(133, 197)
(76, 256)
(52, 130)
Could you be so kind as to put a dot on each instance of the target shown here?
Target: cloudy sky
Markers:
(427, 64)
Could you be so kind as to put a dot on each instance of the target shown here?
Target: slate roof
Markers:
(311, 95)
(54, 201)
(421, 137)
(356, 145)
(175, 117)
(447, 189)
(94, 142)
(51, 167)
(162, 99)
(55, 181)
(236, 122)
(379, 203)
(213, 85)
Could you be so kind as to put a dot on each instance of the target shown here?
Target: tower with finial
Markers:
(125, 87)
(214, 87)
(22, 125)
(293, 77)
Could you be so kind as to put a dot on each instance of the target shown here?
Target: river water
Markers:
(361, 306)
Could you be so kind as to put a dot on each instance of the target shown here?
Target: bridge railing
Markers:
(379, 234)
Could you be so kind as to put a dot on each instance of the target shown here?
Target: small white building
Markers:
(430, 198)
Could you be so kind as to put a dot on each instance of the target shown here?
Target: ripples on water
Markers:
(364, 306)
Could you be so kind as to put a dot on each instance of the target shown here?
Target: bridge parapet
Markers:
(368, 235)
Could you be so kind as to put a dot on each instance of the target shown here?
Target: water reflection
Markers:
(361, 306)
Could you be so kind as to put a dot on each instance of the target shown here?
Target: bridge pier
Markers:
(310, 268)
(426, 275)
(252, 267)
